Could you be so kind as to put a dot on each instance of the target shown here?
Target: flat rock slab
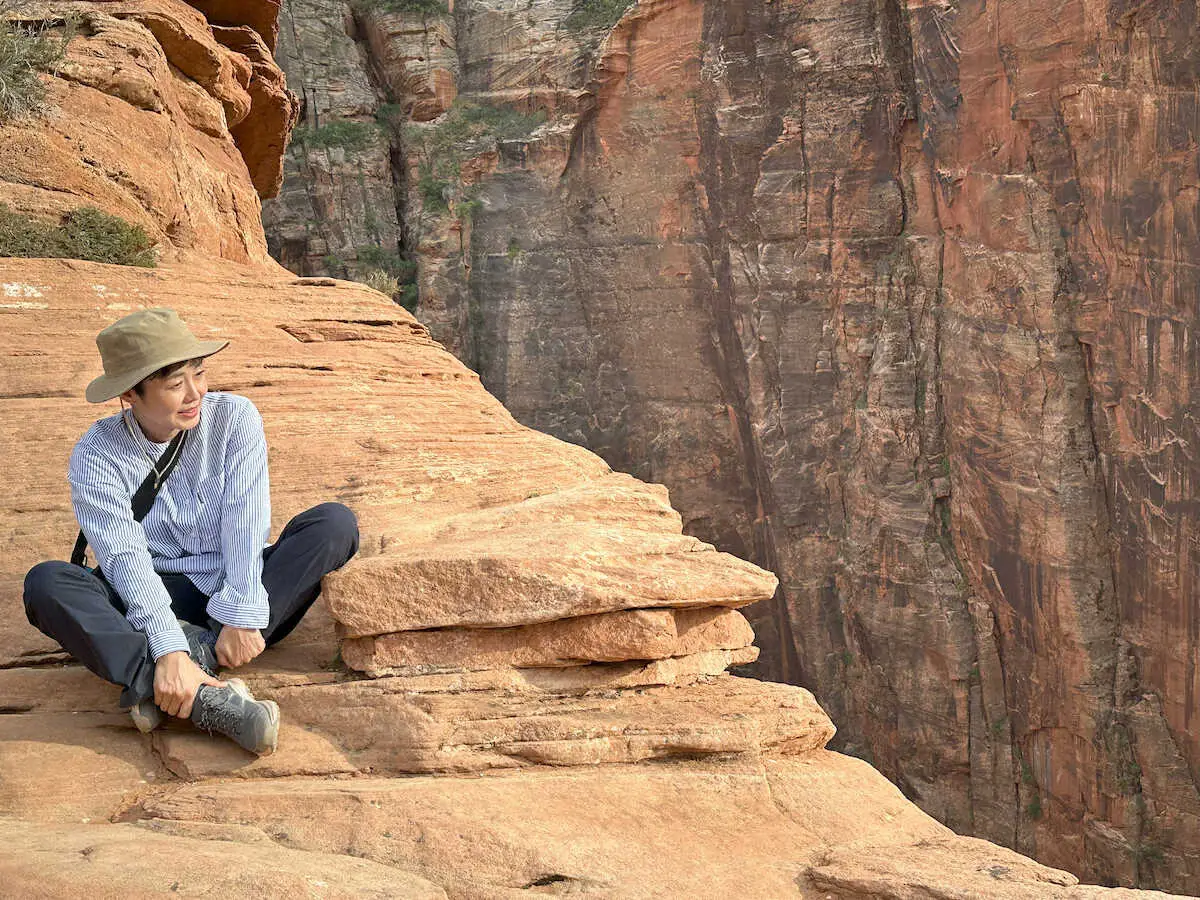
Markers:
(111, 861)
(951, 866)
(72, 767)
(609, 637)
(696, 829)
(562, 681)
(383, 726)
(193, 755)
(490, 589)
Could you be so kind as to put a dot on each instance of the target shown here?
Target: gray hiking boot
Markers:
(202, 648)
(146, 716)
(232, 711)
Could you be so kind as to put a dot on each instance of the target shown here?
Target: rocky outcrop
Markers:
(565, 680)
(203, 105)
(896, 300)
(632, 778)
(339, 199)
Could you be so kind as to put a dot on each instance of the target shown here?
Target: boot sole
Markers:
(146, 722)
(272, 735)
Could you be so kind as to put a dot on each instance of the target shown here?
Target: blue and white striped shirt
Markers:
(210, 520)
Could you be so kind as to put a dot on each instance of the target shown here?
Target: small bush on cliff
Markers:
(596, 15)
(354, 136)
(25, 52)
(84, 233)
(421, 7)
(466, 130)
(389, 273)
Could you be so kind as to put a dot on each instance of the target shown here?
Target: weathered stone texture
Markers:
(335, 200)
(362, 406)
(897, 298)
(202, 112)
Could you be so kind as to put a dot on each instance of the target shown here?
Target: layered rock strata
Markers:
(742, 800)
(362, 406)
(205, 104)
(897, 299)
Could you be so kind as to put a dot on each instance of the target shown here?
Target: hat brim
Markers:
(106, 387)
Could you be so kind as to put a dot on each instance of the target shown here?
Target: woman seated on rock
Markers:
(185, 585)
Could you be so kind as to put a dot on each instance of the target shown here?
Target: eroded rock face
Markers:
(897, 300)
(336, 200)
(203, 103)
(363, 407)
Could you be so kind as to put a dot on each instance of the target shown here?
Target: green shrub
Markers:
(409, 297)
(387, 261)
(421, 7)
(390, 117)
(467, 209)
(382, 282)
(594, 15)
(339, 133)
(1033, 809)
(433, 191)
(390, 273)
(24, 52)
(83, 233)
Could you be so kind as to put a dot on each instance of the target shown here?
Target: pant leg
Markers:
(315, 543)
(188, 602)
(84, 614)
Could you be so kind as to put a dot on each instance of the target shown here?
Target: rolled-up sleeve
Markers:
(102, 507)
(241, 600)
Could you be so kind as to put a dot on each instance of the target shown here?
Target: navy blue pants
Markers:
(86, 616)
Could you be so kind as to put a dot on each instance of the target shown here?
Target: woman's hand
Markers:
(237, 646)
(176, 680)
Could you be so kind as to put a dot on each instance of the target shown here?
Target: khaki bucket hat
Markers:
(138, 345)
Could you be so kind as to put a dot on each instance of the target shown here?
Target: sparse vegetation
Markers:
(1033, 809)
(345, 133)
(469, 205)
(26, 51)
(465, 124)
(83, 233)
(433, 190)
(596, 15)
(466, 130)
(420, 7)
(389, 273)
(382, 282)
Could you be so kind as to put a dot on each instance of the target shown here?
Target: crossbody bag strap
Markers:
(144, 496)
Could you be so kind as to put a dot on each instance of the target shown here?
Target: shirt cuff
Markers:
(168, 641)
(236, 611)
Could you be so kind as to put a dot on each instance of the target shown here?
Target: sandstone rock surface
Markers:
(899, 300)
(201, 112)
(733, 793)
(607, 637)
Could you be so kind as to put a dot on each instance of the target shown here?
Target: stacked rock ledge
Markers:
(552, 635)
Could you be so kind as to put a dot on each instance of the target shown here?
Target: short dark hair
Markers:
(166, 372)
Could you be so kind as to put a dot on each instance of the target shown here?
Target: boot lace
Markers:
(221, 710)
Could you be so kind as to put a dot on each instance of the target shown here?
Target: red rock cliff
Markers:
(517, 608)
(898, 298)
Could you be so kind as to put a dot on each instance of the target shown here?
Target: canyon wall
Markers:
(516, 688)
(898, 300)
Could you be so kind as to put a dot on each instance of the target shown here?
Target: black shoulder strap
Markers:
(144, 497)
